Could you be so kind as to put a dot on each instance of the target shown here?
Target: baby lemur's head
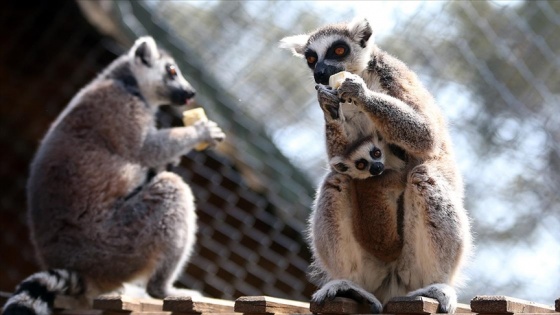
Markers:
(334, 48)
(363, 159)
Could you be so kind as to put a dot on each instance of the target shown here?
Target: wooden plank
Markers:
(499, 304)
(411, 305)
(267, 304)
(59, 311)
(151, 305)
(117, 303)
(340, 305)
(463, 308)
(197, 305)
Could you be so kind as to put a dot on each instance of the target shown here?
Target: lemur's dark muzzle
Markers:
(182, 96)
(323, 72)
(376, 168)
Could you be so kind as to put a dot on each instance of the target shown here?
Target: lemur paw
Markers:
(352, 90)
(209, 132)
(443, 293)
(347, 289)
(337, 181)
(420, 178)
(328, 99)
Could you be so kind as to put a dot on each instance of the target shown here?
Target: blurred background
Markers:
(493, 66)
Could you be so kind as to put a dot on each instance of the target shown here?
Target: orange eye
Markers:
(171, 70)
(311, 59)
(361, 164)
(376, 153)
(339, 51)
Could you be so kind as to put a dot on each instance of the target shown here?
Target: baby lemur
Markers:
(402, 232)
(366, 157)
(102, 211)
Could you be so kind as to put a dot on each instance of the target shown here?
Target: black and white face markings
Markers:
(330, 61)
(159, 78)
(365, 158)
(341, 47)
(174, 87)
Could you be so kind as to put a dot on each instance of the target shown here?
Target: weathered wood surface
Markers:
(58, 311)
(499, 304)
(267, 304)
(123, 305)
(340, 305)
(197, 305)
(463, 308)
(117, 303)
(411, 305)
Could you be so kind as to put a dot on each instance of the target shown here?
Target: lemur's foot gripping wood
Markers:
(347, 289)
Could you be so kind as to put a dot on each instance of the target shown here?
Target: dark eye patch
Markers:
(375, 153)
(341, 167)
(311, 58)
(338, 50)
(361, 164)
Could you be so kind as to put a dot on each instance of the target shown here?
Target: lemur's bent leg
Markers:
(159, 222)
(435, 238)
(175, 231)
(398, 122)
(337, 141)
(333, 242)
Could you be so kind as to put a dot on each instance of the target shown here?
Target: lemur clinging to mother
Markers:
(402, 232)
(102, 211)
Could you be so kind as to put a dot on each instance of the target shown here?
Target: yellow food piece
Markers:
(336, 79)
(190, 117)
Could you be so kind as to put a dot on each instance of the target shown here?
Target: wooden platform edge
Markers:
(499, 304)
(197, 305)
(340, 305)
(411, 305)
(267, 304)
(117, 303)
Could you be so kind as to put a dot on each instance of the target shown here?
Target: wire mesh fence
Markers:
(493, 67)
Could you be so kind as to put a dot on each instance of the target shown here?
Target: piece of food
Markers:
(190, 117)
(336, 79)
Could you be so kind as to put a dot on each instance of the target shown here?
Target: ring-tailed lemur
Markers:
(366, 157)
(100, 212)
(404, 232)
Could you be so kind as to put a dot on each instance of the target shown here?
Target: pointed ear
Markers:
(337, 163)
(294, 43)
(144, 50)
(360, 30)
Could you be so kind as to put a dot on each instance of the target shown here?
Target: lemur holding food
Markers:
(102, 210)
(405, 231)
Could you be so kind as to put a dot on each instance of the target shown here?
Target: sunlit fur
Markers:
(404, 232)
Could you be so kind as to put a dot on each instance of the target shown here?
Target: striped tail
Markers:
(36, 294)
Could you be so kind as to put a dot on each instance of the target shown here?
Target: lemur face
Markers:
(159, 76)
(363, 160)
(334, 48)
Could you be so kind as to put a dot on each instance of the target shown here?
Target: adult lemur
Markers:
(405, 231)
(102, 211)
